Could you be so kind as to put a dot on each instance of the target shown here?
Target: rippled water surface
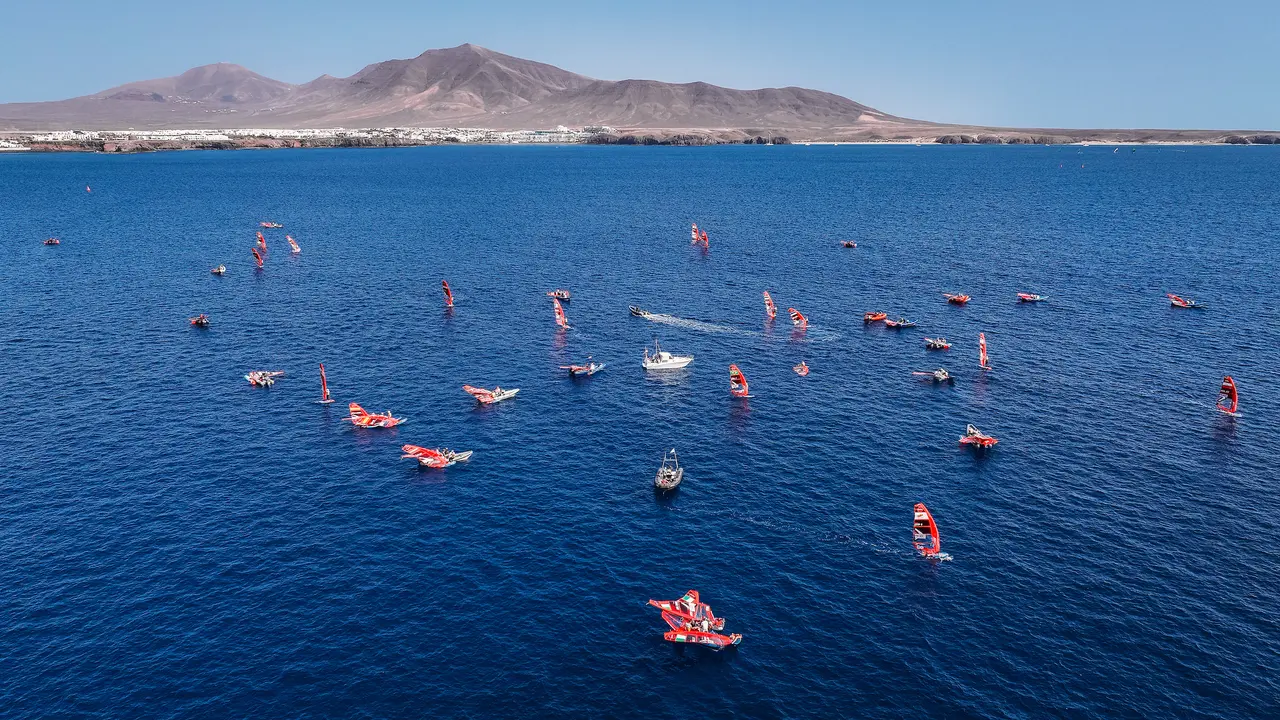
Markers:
(178, 544)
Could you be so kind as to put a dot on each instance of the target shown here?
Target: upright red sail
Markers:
(705, 242)
(1228, 398)
(448, 294)
(262, 242)
(324, 387)
(257, 256)
(737, 382)
(983, 361)
(769, 308)
(797, 319)
(561, 321)
(924, 532)
(694, 237)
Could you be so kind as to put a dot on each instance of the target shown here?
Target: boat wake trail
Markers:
(697, 325)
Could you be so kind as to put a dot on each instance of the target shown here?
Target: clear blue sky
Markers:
(1173, 64)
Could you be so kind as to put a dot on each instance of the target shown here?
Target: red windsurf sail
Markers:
(1228, 397)
(480, 394)
(257, 256)
(324, 387)
(797, 319)
(561, 321)
(448, 294)
(705, 242)
(924, 532)
(693, 239)
(737, 382)
(983, 361)
(769, 308)
(262, 242)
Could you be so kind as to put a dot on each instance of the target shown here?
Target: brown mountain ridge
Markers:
(466, 86)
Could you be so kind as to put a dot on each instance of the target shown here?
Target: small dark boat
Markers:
(670, 474)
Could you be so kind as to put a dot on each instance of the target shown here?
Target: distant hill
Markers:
(461, 86)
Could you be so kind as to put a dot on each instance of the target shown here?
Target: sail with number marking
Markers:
(1228, 397)
(561, 321)
(770, 309)
(737, 382)
(924, 532)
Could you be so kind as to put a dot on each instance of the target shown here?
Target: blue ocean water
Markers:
(178, 544)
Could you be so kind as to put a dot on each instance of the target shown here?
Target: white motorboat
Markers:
(670, 474)
(663, 360)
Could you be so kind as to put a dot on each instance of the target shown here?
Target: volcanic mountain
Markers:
(464, 86)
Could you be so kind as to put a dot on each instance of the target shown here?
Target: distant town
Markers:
(150, 140)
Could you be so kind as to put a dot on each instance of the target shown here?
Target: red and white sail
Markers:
(737, 382)
(561, 321)
(257, 256)
(983, 361)
(262, 241)
(426, 456)
(293, 245)
(769, 308)
(924, 532)
(448, 294)
(797, 319)
(1228, 396)
(480, 394)
(705, 241)
(324, 387)
(693, 239)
